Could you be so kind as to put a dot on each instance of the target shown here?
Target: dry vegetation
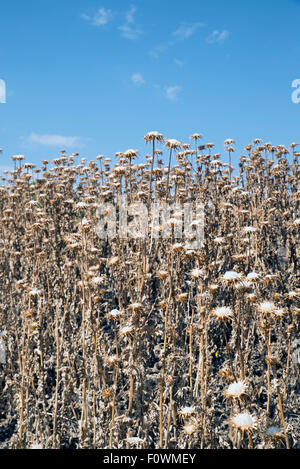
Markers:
(124, 343)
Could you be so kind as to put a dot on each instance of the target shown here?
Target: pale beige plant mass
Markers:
(150, 342)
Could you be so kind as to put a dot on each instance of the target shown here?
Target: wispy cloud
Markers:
(178, 62)
(100, 18)
(169, 92)
(186, 30)
(130, 14)
(172, 92)
(217, 36)
(103, 16)
(138, 79)
(182, 33)
(129, 32)
(2, 92)
(54, 140)
(160, 49)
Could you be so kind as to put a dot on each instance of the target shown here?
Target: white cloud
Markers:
(130, 14)
(100, 18)
(178, 62)
(2, 92)
(160, 48)
(217, 36)
(53, 140)
(129, 32)
(186, 30)
(137, 79)
(172, 92)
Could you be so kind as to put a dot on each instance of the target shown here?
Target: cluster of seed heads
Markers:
(147, 343)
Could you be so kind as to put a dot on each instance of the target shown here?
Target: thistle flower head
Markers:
(135, 440)
(231, 276)
(190, 428)
(82, 205)
(249, 229)
(243, 421)
(115, 313)
(136, 306)
(267, 307)
(97, 280)
(223, 312)
(153, 135)
(36, 446)
(236, 389)
(126, 330)
(34, 292)
(162, 274)
(130, 153)
(274, 432)
(219, 240)
(187, 411)
(229, 141)
(196, 136)
(252, 276)
(196, 273)
(173, 143)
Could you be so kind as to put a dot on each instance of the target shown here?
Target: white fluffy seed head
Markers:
(223, 312)
(126, 330)
(231, 276)
(243, 421)
(236, 389)
(34, 292)
(267, 307)
(252, 276)
(134, 440)
(97, 280)
(249, 229)
(274, 432)
(187, 411)
(115, 313)
(189, 428)
(196, 273)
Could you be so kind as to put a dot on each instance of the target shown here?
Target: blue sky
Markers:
(95, 76)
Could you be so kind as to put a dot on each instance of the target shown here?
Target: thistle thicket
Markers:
(130, 342)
